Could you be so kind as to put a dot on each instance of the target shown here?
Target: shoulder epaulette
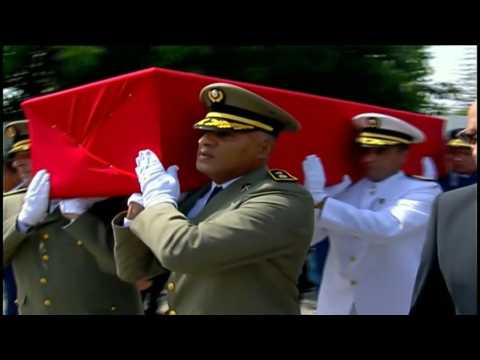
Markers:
(13, 192)
(281, 175)
(422, 178)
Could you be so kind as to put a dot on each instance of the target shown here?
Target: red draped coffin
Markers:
(88, 137)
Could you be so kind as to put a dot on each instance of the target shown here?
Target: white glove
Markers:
(136, 197)
(35, 205)
(340, 187)
(314, 177)
(157, 185)
(429, 168)
(77, 206)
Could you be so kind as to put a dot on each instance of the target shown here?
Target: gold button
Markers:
(47, 302)
(79, 242)
(353, 282)
(45, 257)
(113, 308)
(45, 236)
(172, 312)
(43, 280)
(353, 258)
(171, 286)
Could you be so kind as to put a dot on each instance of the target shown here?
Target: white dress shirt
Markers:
(200, 204)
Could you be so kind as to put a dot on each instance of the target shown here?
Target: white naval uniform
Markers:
(376, 231)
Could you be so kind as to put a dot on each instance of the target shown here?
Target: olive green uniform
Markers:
(242, 254)
(63, 268)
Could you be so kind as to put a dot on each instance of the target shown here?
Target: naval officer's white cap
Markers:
(382, 130)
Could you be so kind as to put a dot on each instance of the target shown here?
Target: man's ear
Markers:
(266, 143)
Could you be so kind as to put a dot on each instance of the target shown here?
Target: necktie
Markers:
(215, 191)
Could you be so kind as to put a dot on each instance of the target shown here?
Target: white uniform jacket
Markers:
(376, 231)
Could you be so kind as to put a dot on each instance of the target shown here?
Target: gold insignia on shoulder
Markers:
(373, 122)
(216, 95)
(10, 132)
(281, 175)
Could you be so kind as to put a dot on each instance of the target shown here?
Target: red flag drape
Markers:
(88, 137)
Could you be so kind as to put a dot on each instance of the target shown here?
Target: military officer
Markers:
(461, 164)
(61, 250)
(237, 245)
(376, 227)
(11, 181)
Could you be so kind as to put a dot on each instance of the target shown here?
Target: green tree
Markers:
(27, 71)
(391, 76)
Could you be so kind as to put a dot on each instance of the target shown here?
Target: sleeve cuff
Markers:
(126, 222)
(22, 227)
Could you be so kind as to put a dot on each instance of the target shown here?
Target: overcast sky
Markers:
(446, 61)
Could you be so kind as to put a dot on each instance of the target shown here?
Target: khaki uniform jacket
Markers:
(242, 254)
(62, 271)
(447, 278)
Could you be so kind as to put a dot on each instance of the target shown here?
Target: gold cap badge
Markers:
(373, 122)
(216, 95)
(10, 132)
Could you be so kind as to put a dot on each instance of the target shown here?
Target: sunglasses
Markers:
(470, 137)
